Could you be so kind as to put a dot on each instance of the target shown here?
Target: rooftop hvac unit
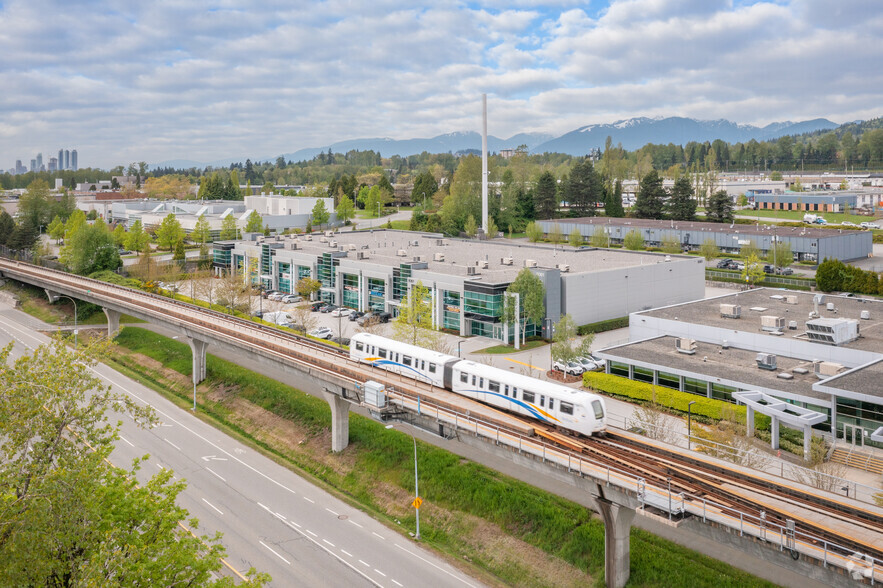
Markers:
(291, 245)
(308, 237)
(417, 258)
(865, 315)
(830, 306)
(507, 261)
(687, 346)
(731, 310)
(332, 243)
(772, 323)
(439, 242)
(438, 257)
(329, 233)
(351, 247)
(832, 331)
(790, 299)
(470, 270)
(482, 264)
(825, 369)
(414, 243)
(785, 376)
(766, 361)
(402, 253)
(323, 239)
(563, 267)
(361, 255)
(530, 263)
(792, 325)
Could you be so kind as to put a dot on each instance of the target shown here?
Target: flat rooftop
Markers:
(712, 363)
(738, 229)
(772, 302)
(864, 379)
(383, 247)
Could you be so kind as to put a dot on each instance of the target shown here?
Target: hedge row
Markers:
(601, 326)
(707, 407)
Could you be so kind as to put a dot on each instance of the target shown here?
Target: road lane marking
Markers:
(212, 505)
(525, 364)
(274, 552)
(423, 559)
(394, 582)
(381, 536)
(328, 542)
(293, 523)
(345, 552)
(216, 474)
(332, 512)
(355, 523)
(172, 444)
(308, 500)
(364, 564)
(311, 533)
(379, 572)
(126, 440)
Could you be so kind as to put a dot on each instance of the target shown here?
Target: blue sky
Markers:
(127, 81)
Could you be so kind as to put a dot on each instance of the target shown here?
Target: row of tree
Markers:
(833, 275)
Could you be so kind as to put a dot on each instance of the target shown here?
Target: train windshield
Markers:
(599, 410)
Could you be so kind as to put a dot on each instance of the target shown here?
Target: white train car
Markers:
(401, 358)
(551, 403)
(554, 404)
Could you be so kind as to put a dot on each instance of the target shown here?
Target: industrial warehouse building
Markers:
(818, 352)
(807, 243)
(466, 278)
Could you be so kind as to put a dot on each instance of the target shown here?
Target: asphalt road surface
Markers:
(271, 519)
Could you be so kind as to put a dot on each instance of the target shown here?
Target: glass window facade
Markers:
(867, 415)
(620, 369)
(283, 277)
(668, 380)
(222, 257)
(486, 305)
(696, 386)
(451, 310)
(722, 392)
(400, 277)
(643, 374)
(350, 290)
(325, 270)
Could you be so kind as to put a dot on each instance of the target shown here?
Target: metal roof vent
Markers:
(865, 315)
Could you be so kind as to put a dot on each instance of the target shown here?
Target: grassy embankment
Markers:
(512, 533)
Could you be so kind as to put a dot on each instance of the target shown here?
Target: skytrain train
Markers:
(550, 403)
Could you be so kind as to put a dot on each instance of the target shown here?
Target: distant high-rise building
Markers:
(19, 168)
(39, 162)
(67, 159)
(74, 160)
(33, 165)
(53, 164)
(60, 159)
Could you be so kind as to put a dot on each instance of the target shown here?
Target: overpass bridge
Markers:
(614, 493)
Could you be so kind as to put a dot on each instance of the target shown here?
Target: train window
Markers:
(360, 346)
(528, 396)
(566, 408)
(551, 404)
(493, 386)
(381, 352)
(473, 379)
(542, 400)
(464, 377)
(406, 359)
(481, 382)
(599, 410)
(422, 365)
(431, 368)
(506, 389)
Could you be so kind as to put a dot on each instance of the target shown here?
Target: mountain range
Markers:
(633, 133)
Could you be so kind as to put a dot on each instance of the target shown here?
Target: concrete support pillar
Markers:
(617, 524)
(749, 417)
(775, 433)
(631, 372)
(807, 442)
(681, 383)
(340, 421)
(113, 322)
(198, 347)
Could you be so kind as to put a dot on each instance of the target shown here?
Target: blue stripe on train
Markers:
(523, 405)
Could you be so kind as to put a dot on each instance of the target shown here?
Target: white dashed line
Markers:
(433, 565)
(345, 552)
(355, 523)
(212, 505)
(364, 564)
(394, 582)
(332, 512)
(328, 542)
(308, 500)
(311, 533)
(172, 444)
(293, 523)
(219, 477)
(126, 440)
(274, 552)
(379, 572)
(381, 536)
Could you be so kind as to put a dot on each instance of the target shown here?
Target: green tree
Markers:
(776, 176)
(201, 231)
(91, 249)
(180, 255)
(492, 229)
(68, 516)
(320, 214)
(414, 323)
(709, 250)
(306, 287)
(584, 189)
(829, 275)
(681, 205)
(425, 187)
(534, 232)
(169, 232)
(546, 196)
(345, 209)
(374, 201)
(749, 249)
(752, 272)
(268, 188)
(228, 228)
(670, 244)
(649, 200)
(7, 226)
(73, 224)
(137, 238)
(599, 238)
(556, 235)
(719, 208)
(470, 228)
(119, 235)
(56, 229)
(532, 295)
(613, 206)
(633, 241)
(742, 200)
(575, 238)
(35, 207)
(780, 255)
(565, 346)
(254, 223)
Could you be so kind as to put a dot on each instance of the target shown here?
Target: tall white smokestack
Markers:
(484, 164)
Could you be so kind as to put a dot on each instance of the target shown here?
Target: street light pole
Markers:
(75, 317)
(417, 500)
(458, 348)
(689, 422)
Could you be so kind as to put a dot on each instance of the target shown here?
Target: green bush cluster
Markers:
(601, 326)
(710, 408)
(834, 275)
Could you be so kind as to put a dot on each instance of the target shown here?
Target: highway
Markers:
(272, 519)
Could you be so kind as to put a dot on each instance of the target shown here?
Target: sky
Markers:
(124, 81)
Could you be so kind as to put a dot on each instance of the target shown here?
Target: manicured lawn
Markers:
(503, 349)
(797, 215)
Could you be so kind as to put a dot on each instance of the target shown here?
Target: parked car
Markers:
(276, 296)
(848, 224)
(354, 315)
(768, 269)
(784, 271)
(327, 308)
(724, 263)
(342, 311)
(571, 368)
(268, 293)
(365, 318)
(589, 365)
(314, 307)
(867, 225)
(384, 317)
(321, 333)
(289, 298)
(737, 265)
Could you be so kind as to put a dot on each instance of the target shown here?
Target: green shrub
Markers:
(710, 408)
(601, 326)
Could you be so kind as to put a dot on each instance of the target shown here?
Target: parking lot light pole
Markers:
(689, 422)
(75, 317)
(458, 347)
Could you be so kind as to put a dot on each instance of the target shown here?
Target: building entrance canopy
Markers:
(787, 413)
